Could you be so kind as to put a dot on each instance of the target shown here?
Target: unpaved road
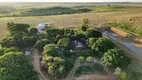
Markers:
(36, 63)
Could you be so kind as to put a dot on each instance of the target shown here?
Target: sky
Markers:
(70, 0)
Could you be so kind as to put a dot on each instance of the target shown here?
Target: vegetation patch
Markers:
(114, 8)
(90, 69)
(126, 27)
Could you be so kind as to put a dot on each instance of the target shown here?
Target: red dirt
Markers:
(119, 32)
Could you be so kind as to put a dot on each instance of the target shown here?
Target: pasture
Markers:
(98, 16)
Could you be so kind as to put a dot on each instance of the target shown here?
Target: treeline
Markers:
(14, 65)
(46, 11)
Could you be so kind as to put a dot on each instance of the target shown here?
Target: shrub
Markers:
(115, 58)
(33, 30)
(121, 75)
(84, 25)
(41, 43)
(90, 42)
(59, 37)
(102, 45)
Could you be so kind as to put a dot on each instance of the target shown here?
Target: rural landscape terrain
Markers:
(71, 41)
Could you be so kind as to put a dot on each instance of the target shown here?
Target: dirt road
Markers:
(71, 74)
(36, 63)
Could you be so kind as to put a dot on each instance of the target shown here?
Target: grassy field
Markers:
(99, 15)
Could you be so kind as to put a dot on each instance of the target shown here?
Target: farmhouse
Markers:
(78, 45)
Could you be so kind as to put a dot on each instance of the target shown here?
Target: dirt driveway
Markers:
(36, 63)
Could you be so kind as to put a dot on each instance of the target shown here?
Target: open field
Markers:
(71, 20)
(98, 16)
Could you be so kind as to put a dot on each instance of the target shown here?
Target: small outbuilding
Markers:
(41, 26)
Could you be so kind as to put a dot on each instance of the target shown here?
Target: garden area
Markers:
(61, 50)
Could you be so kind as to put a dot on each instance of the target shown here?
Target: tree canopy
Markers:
(115, 58)
(54, 65)
(11, 27)
(64, 42)
(53, 50)
(16, 66)
(102, 45)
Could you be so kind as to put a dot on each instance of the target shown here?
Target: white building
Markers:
(41, 26)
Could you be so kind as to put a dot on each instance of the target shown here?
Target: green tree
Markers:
(16, 66)
(41, 43)
(115, 58)
(89, 59)
(18, 39)
(85, 24)
(11, 27)
(102, 45)
(55, 65)
(64, 42)
(91, 41)
(53, 50)
(33, 30)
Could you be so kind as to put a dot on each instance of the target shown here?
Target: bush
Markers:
(93, 33)
(90, 42)
(85, 24)
(115, 58)
(102, 45)
(41, 43)
(64, 42)
(33, 30)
